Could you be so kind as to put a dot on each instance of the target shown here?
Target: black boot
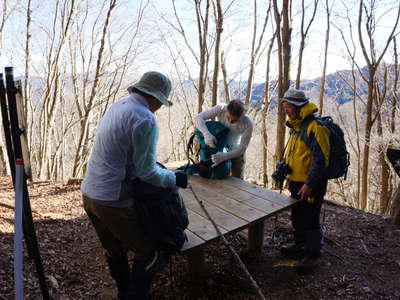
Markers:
(142, 275)
(296, 250)
(311, 260)
(119, 270)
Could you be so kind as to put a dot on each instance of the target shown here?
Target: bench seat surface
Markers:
(233, 204)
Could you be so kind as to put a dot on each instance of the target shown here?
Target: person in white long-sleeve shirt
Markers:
(125, 150)
(240, 126)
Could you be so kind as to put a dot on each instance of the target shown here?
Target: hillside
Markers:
(361, 256)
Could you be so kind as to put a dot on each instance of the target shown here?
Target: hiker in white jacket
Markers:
(240, 126)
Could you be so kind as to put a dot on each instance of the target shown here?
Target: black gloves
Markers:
(181, 179)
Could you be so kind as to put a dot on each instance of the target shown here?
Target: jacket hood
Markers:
(305, 111)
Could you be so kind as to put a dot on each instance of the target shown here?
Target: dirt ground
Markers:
(360, 259)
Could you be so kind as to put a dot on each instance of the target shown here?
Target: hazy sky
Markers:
(159, 42)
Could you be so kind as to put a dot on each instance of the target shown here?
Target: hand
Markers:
(305, 192)
(181, 179)
(210, 140)
(217, 158)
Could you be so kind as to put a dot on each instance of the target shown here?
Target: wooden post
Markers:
(255, 240)
(196, 270)
(195, 257)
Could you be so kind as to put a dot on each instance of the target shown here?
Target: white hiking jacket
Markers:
(239, 133)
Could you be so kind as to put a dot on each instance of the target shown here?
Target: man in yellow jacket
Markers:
(306, 159)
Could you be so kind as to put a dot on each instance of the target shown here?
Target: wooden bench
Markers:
(234, 205)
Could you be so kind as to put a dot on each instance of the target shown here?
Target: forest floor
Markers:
(360, 258)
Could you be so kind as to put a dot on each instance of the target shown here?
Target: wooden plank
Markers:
(221, 217)
(261, 192)
(220, 186)
(193, 241)
(243, 211)
(202, 227)
(268, 207)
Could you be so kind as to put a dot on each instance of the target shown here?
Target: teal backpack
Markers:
(203, 167)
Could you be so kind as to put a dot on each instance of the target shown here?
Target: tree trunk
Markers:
(3, 162)
(219, 28)
(265, 113)
(394, 92)
(202, 25)
(283, 40)
(225, 76)
(385, 171)
(394, 210)
(284, 50)
(303, 36)
(323, 79)
(367, 139)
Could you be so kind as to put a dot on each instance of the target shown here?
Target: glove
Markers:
(210, 140)
(217, 158)
(181, 179)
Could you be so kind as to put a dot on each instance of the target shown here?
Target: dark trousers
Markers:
(238, 166)
(305, 217)
(118, 229)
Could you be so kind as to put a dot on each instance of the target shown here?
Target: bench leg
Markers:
(196, 270)
(255, 240)
(195, 259)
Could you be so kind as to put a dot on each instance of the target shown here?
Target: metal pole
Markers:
(27, 213)
(18, 236)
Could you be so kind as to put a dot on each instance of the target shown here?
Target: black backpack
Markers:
(162, 215)
(339, 157)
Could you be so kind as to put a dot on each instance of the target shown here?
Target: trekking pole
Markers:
(233, 252)
(6, 127)
(18, 157)
(10, 153)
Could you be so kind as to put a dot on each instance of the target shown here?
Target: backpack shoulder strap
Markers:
(189, 146)
(303, 131)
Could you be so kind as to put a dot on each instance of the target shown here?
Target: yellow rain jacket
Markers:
(307, 162)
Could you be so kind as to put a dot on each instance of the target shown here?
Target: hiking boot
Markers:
(294, 251)
(307, 264)
(142, 275)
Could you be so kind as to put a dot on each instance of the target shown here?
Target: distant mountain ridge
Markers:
(338, 86)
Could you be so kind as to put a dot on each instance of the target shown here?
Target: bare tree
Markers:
(303, 36)
(355, 143)
(373, 60)
(267, 102)
(255, 49)
(67, 12)
(379, 99)
(394, 95)
(84, 132)
(284, 53)
(202, 26)
(323, 78)
(6, 12)
(219, 19)
(225, 78)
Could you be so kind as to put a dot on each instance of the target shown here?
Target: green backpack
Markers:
(203, 168)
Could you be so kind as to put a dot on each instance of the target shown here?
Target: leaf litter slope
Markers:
(361, 256)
